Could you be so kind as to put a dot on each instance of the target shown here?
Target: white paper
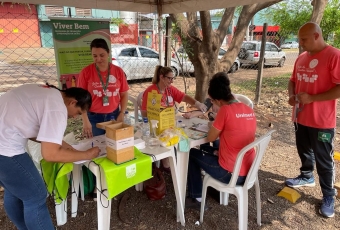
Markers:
(203, 128)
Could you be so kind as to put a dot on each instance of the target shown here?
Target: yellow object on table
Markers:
(164, 116)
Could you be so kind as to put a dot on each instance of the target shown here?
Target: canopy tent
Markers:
(147, 6)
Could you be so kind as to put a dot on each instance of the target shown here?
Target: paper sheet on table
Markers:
(202, 128)
(87, 144)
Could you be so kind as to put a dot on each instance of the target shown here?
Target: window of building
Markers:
(83, 12)
(54, 10)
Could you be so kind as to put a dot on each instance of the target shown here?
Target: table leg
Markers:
(177, 189)
(76, 180)
(182, 170)
(103, 204)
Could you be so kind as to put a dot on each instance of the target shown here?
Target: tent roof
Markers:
(147, 6)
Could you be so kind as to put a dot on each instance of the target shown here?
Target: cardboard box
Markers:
(164, 116)
(119, 141)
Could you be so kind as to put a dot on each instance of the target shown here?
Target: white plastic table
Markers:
(183, 157)
(104, 205)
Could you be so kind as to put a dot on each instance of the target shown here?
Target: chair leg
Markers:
(204, 194)
(224, 197)
(258, 201)
(243, 210)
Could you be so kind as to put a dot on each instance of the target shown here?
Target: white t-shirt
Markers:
(31, 111)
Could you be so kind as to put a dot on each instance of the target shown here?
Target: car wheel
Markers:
(233, 68)
(282, 62)
(243, 54)
(175, 71)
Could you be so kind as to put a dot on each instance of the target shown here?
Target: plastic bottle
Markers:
(127, 119)
(146, 130)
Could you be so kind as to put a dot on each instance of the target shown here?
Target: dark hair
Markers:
(99, 43)
(219, 87)
(160, 70)
(83, 97)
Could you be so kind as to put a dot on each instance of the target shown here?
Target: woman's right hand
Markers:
(87, 129)
(93, 152)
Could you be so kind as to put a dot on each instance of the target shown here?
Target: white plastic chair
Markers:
(244, 99)
(241, 191)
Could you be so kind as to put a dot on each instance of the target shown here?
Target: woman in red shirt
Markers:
(108, 87)
(235, 126)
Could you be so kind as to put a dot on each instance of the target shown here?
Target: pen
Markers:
(92, 144)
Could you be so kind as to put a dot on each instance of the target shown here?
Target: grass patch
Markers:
(276, 83)
(34, 62)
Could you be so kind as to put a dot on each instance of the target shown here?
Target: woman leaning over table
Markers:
(161, 82)
(108, 87)
(38, 113)
(234, 130)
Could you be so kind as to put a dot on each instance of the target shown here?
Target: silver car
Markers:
(188, 67)
(290, 45)
(138, 62)
(250, 54)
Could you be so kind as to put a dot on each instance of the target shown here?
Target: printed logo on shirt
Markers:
(112, 79)
(309, 74)
(245, 115)
(324, 137)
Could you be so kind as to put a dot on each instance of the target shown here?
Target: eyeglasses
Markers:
(170, 78)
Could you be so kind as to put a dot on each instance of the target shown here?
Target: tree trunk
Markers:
(318, 9)
(204, 43)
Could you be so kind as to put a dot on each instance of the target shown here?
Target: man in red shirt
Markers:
(235, 126)
(313, 89)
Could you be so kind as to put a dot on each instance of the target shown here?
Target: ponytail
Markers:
(160, 70)
(83, 97)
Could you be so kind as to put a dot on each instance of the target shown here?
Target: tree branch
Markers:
(206, 25)
(318, 9)
(225, 22)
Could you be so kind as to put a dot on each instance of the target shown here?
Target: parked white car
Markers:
(138, 62)
(188, 67)
(290, 45)
(250, 54)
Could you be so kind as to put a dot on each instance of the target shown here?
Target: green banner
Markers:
(72, 39)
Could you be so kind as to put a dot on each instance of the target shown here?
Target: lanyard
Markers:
(101, 79)
(166, 90)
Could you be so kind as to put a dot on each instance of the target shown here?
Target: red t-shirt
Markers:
(169, 97)
(89, 80)
(315, 74)
(237, 123)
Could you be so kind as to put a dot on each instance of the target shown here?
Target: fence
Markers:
(27, 56)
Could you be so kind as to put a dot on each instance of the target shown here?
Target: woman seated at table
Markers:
(234, 131)
(161, 82)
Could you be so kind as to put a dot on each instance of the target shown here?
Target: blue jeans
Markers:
(25, 193)
(209, 163)
(101, 117)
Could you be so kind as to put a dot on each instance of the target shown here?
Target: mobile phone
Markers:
(208, 103)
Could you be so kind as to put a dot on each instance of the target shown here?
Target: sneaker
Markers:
(300, 181)
(327, 206)
(194, 204)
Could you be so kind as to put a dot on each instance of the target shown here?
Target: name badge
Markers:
(106, 101)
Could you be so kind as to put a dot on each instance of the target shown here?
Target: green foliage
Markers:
(292, 14)
(330, 23)
(117, 21)
(289, 15)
